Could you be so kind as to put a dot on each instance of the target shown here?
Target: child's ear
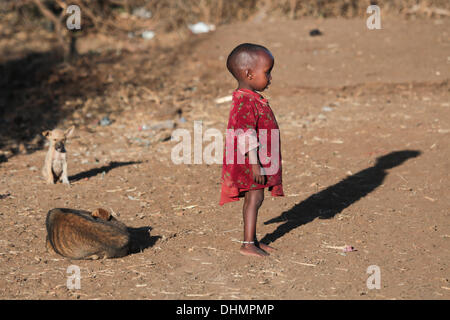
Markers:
(69, 132)
(249, 74)
(46, 133)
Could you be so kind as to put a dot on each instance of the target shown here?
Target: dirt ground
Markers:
(342, 100)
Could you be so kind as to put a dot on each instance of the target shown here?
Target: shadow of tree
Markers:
(93, 172)
(35, 88)
(33, 94)
(23, 97)
(331, 201)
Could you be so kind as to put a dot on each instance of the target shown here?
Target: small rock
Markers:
(105, 121)
(147, 35)
(141, 12)
(315, 33)
(201, 27)
(4, 196)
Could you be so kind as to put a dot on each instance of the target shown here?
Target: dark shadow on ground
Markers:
(93, 172)
(34, 89)
(331, 201)
(39, 91)
(4, 196)
(140, 239)
(24, 95)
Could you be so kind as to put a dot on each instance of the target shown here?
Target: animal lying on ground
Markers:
(80, 234)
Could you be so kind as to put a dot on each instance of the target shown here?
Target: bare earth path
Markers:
(342, 100)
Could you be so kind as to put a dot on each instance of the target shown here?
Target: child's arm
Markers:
(258, 177)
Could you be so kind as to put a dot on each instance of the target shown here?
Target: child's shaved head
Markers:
(244, 57)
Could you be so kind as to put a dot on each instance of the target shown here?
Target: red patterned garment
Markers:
(251, 124)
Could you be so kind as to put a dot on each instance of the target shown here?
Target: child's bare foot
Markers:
(252, 250)
(265, 247)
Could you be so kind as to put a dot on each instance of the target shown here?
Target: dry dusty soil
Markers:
(365, 127)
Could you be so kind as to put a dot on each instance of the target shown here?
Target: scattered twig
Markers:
(304, 264)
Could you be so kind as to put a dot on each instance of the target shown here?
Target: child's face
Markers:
(260, 76)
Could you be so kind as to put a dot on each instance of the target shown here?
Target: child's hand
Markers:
(257, 176)
(257, 170)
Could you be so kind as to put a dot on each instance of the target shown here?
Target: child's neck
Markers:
(242, 85)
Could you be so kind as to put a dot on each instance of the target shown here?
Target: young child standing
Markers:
(252, 158)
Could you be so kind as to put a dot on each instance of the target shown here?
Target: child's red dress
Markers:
(250, 117)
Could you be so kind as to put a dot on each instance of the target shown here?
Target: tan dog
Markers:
(82, 235)
(55, 166)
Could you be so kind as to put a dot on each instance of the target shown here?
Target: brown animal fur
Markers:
(82, 235)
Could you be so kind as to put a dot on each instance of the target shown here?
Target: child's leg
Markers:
(252, 202)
